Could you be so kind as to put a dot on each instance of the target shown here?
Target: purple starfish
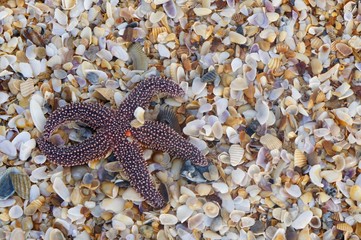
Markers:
(114, 133)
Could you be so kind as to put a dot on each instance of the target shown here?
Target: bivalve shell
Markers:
(34, 206)
(274, 63)
(355, 193)
(300, 159)
(211, 209)
(344, 49)
(236, 153)
(302, 220)
(271, 142)
(168, 219)
(22, 185)
(344, 227)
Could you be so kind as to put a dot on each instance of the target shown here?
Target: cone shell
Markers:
(236, 153)
(300, 159)
(22, 185)
(270, 142)
(34, 206)
(344, 227)
(274, 63)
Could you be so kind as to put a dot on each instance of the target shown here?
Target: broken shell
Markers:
(302, 220)
(282, 47)
(355, 193)
(183, 213)
(344, 49)
(139, 58)
(168, 219)
(331, 176)
(68, 4)
(211, 209)
(274, 63)
(22, 185)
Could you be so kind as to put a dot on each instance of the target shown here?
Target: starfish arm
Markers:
(130, 156)
(143, 93)
(95, 147)
(159, 136)
(94, 115)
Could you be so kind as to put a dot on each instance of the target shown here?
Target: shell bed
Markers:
(272, 92)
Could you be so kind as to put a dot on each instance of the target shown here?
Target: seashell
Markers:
(37, 114)
(153, 35)
(8, 148)
(302, 220)
(236, 153)
(238, 175)
(56, 234)
(6, 185)
(274, 63)
(280, 234)
(34, 206)
(344, 49)
(316, 43)
(196, 221)
(316, 66)
(60, 188)
(331, 176)
(68, 4)
(27, 88)
(324, 52)
(355, 193)
(168, 219)
(211, 209)
(315, 222)
(247, 222)
(315, 175)
(293, 190)
(300, 159)
(203, 189)
(262, 110)
(237, 38)
(344, 227)
(282, 48)
(61, 17)
(210, 76)
(270, 142)
(183, 213)
(170, 8)
(168, 116)
(109, 189)
(15, 212)
(139, 114)
(115, 205)
(21, 183)
(139, 58)
(202, 11)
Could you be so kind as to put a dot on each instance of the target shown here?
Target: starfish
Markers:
(113, 132)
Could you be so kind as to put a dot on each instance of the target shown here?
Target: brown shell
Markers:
(34, 206)
(316, 43)
(139, 58)
(282, 47)
(344, 227)
(153, 36)
(300, 159)
(274, 63)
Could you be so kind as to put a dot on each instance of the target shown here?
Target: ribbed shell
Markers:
(27, 88)
(236, 153)
(300, 158)
(21, 183)
(139, 58)
(270, 142)
(210, 76)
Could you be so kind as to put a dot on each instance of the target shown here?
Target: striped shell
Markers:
(270, 142)
(316, 43)
(21, 183)
(27, 87)
(236, 153)
(282, 47)
(344, 227)
(182, 50)
(274, 63)
(153, 36)
(210, 76)
(34, 206)
(300, 159)
(139, 58)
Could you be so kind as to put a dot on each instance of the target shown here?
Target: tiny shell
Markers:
(344, 49)
(211, 209)
(168, 219)
(196, 221)
(274, 63)
(34, 206)
(68, 4)
(236, 153)
(37, 114)
(139, 114)
(271, 142)
(27, 88)
(344, 227)
(355, 193)
(282, 47)
(315, 175)
(183, 213)
(237, 38)
(22, 185)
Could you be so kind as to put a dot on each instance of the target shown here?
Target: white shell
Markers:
(262, 111)
(183, 213)
(168, 219)
(61, 189)
(37, 114)
(315, 175)
(293, 190)
(26, 148)
(8, 148)
(131, 195)
(120, 53)
(211, 209)
(236, 153)
(302, 220)
(220, 187)
(139, 114)
(15, 212)
(331, 176)
(113, 204)
(238, 175)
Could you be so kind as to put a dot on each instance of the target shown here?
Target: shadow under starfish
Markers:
(113, 132)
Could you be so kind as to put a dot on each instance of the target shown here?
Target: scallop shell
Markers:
(153, 36)
(34, 206)
(316, 43)
(274, 63)
(236, 153)
(270, 142)
(344, 227)
(21, 183)
(6, 186)
(300, 158)
(139, 58)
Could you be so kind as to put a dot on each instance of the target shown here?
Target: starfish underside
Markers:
(112, 128)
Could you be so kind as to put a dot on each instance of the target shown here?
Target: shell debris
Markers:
(272, 99)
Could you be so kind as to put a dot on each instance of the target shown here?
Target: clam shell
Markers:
(344, 227)
(68, 4)
(6, 186)
(37, 114)
(139, 58)
(168, 219)
(331, 176)
(21, 183)
(316, 43)
(183, 213)
(344, 49)
(300, 158)
(236, 153)
(282, 47)
(270, 142)
(302, 220)
(210, 76)
(355, 193)
(27, 88)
